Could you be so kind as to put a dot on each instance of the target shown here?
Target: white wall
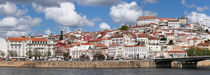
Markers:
(3, 46)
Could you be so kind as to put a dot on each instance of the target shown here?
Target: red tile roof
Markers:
(25, 39)
(169, 34)
(203, 44)
(134, 46)
(38, 39)
(153, 38)
(87, 44)
(113, 45)
(176, 51)
(94, 40)
(148, 17)
(142, 35)
(17, 39)
(100, 45)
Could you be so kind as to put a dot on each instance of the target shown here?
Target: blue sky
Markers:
(49, 16)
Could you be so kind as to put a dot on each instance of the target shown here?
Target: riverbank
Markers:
(87, 64)
(77, 64)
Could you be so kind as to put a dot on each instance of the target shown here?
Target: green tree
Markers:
(198, 52)
(44, 55)
(39, 54)
(84, 58)
(48, 54)
(170, 42)
(163, 39)
(29, 54)
(2, 54)
(206, 30)
(12, 53)
(124, 27)
(101, 57)
(35, 53)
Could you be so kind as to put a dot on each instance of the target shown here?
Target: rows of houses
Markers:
(150, 38)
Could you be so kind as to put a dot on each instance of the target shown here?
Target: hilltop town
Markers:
(152, 37)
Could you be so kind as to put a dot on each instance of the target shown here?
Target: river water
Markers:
(134, 71)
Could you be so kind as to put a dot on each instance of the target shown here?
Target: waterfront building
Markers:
(78, 49)
(135, 52)
(3, 47)
(176, 54)
(111, 51)
(20, 45)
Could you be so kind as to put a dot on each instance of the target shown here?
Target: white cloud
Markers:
(98, 2)
(125, 13)
(8, 22)
(66, 29)
(13, 26)
(64, 15)
(104, 26)
(151, 1)
(183, 2)
(48, 31)
(8, 8)
(11, 9)
(198, 8)
(201, 9)
(195, 17)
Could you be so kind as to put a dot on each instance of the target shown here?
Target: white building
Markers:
(144, 20)
(176, 54)
(135, 52)
(142, 39)
(75, 51)
(118, 39)
(173, 24)
(3, 47)
(154, 51)
(20, 45)
(111, 51)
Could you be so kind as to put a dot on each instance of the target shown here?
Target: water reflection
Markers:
(135, 71)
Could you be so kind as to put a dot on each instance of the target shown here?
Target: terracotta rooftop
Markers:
(134, 46)
(203, 44)
(169, 34)
(113, 45)
(142, 35)
(176, 51)
(18, 39)
(148, 17)
(153, 38)
(38, 39)
(100, 45)
(87, 44)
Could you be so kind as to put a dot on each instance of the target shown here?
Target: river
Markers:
(134, 71)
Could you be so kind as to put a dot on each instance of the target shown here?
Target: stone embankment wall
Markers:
(203, 63)
(74, 64)
(206, 63)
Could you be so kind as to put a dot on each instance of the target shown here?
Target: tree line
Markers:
(198, 52)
